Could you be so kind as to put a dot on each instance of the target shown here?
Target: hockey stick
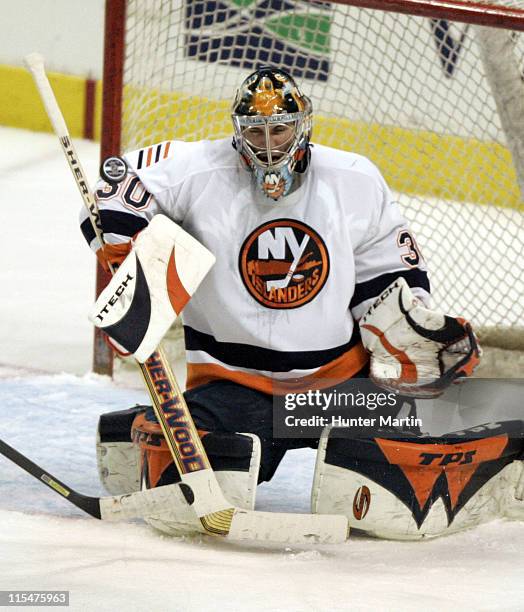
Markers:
(104, 508)
(91, 505)
(216, 514)
(275, 526)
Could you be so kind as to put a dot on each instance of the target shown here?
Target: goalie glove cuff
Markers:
(416, 351)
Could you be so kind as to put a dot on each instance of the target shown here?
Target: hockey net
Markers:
(434, 99)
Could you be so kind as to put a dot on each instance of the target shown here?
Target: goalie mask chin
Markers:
(272, 122)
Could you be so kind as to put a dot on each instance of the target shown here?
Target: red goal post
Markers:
(431, 91)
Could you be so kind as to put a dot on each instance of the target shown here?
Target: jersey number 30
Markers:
(132, 193)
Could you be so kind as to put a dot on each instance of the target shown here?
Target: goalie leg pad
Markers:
(146, 462)
(415, 487)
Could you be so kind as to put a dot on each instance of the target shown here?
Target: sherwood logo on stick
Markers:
(174, 415)
(284, 263)
(80, 181)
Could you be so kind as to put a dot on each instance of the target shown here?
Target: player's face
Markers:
(276, 138)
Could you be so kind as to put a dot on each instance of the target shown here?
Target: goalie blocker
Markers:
(152, 285)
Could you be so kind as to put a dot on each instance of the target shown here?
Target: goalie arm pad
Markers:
(414, 350)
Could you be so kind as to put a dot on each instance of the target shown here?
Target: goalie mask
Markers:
(272, 121)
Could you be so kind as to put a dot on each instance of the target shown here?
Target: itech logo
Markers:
(114, 298)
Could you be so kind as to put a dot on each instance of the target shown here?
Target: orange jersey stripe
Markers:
(334, 372)
(149, 155)
(166, 150)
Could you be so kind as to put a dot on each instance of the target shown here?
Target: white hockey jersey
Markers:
(291, 276)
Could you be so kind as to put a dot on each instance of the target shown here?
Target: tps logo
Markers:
(452, 472)
(284, 264)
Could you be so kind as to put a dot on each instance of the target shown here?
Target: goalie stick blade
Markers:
(88, 504)
(288, 528)
(247, 525)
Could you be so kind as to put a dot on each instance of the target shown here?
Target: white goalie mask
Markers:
(272, 121)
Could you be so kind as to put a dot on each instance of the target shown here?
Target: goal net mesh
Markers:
(411, 93)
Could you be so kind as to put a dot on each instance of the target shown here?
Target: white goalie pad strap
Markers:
(151, 287)
(118, 466)
(240, 488)
(414, 350)
(423, 505)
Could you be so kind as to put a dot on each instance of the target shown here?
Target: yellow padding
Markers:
(415, 162)
(20, 104)
(428, 164)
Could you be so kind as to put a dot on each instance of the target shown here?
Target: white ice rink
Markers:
(50, 405)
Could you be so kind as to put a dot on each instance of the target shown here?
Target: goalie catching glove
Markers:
(416, 351)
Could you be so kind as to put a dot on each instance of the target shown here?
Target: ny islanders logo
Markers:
(284, 264)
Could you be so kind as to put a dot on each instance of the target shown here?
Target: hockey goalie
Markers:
(317, 280)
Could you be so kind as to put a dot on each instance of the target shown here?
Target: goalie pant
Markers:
(224, 407)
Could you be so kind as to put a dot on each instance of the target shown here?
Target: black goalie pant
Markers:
(227, 407)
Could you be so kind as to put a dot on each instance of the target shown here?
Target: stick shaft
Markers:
(91, 505)
(35, 63)
(172, 412)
